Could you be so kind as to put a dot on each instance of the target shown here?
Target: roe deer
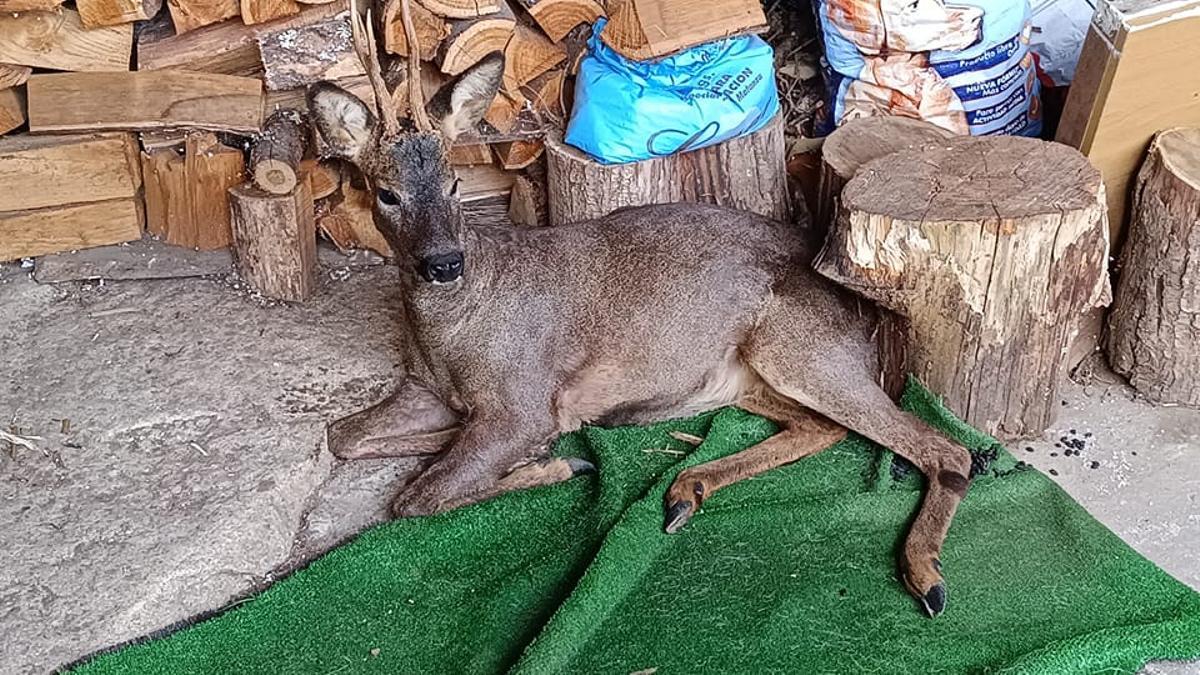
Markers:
(645, 314)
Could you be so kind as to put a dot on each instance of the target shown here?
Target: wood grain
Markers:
(43, 171)
(462, 9)
(148, 99)
(13, 75)
(59, 41)
(472, 39)
(96, 13)
(227, 48)
(646, 29)
(431, 29)
(187, 197)
(12, 109)
(189, 15)
(260, 11)
(66, 228)
(274, 240)
(558, 17)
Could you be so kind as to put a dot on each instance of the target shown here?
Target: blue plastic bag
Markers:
(630, 110)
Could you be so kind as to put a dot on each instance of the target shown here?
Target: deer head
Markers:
(406, 165)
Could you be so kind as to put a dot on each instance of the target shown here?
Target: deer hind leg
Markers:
(803, 433)
(536, 473)
(412, 421)
(833, 374)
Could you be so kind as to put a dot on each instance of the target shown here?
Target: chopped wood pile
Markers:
(185, 119)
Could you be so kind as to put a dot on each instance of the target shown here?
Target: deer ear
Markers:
(459, 105)
(343, 120)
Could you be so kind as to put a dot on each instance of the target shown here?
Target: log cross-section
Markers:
(1154, 328)
(992, 249)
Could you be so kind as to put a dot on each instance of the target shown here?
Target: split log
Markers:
(648, 29)
(744, 173)
(47, 171)
(470, 155)
(67, 228)
(462, 9)
(1152, 331)
(192, 14)
(431, 30)
(503, 112)
(144, 99)
(545, 96)
(58, 41)
(283, 99)
(274, 240)
(325, 178)
(514, 155)
(261, 11)
(558, 17)
(276, 153)
(857, 142)
(993, 249)
(187, 197)
(226, 48)
(96, 13)
(13, 76)
(312, 46)
(12, 108)
(350, 225)
(527, 203)
(529, 54)
(472, 39)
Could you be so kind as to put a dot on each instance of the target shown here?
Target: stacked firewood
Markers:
(124, 116)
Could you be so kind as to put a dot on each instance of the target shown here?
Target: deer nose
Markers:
(442, 268)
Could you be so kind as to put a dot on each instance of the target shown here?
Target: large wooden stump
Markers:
(1154, 329)
(745, 173)
(859, 141)
(992, 249)
(275, 240)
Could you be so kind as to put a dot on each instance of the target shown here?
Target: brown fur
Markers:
(645, 314)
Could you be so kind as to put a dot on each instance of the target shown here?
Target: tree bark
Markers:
(744, 173)
(992, 249)
(274, 240)
(276, 153)
(1154, 329)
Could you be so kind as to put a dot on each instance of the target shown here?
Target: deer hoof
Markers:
(934, 601)
(678, 514)
(580, 467)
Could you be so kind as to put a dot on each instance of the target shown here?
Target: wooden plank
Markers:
(97, 13)
(228, 48)
(147, 99)
(312, 46)
(189, 15)
(13, 75)
(261, 11)
(66, 228)
(1127, 88)
(44, 171)
(58, 41)
(645, 29)
(12, 109)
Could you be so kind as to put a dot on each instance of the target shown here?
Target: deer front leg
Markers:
(473, 468)
(412, 421)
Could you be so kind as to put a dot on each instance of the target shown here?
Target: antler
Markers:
(416, 93)
(364, 46)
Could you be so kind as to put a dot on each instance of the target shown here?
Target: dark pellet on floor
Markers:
(1054, 454)
(1095, 465)
(1053, 472)
(1087, 434)
(1058, 445)
(1028, 448)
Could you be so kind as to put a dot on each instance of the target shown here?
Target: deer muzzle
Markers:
(441, 268)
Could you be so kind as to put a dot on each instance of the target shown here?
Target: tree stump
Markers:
(275, 240)
(1154, 331)
(857, 142)
(745, 173)
(992, 249)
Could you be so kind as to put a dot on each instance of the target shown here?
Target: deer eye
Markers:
(387, 197)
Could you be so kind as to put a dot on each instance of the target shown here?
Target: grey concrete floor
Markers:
(180, 461)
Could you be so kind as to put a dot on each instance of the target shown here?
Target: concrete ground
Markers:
(180, 459)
